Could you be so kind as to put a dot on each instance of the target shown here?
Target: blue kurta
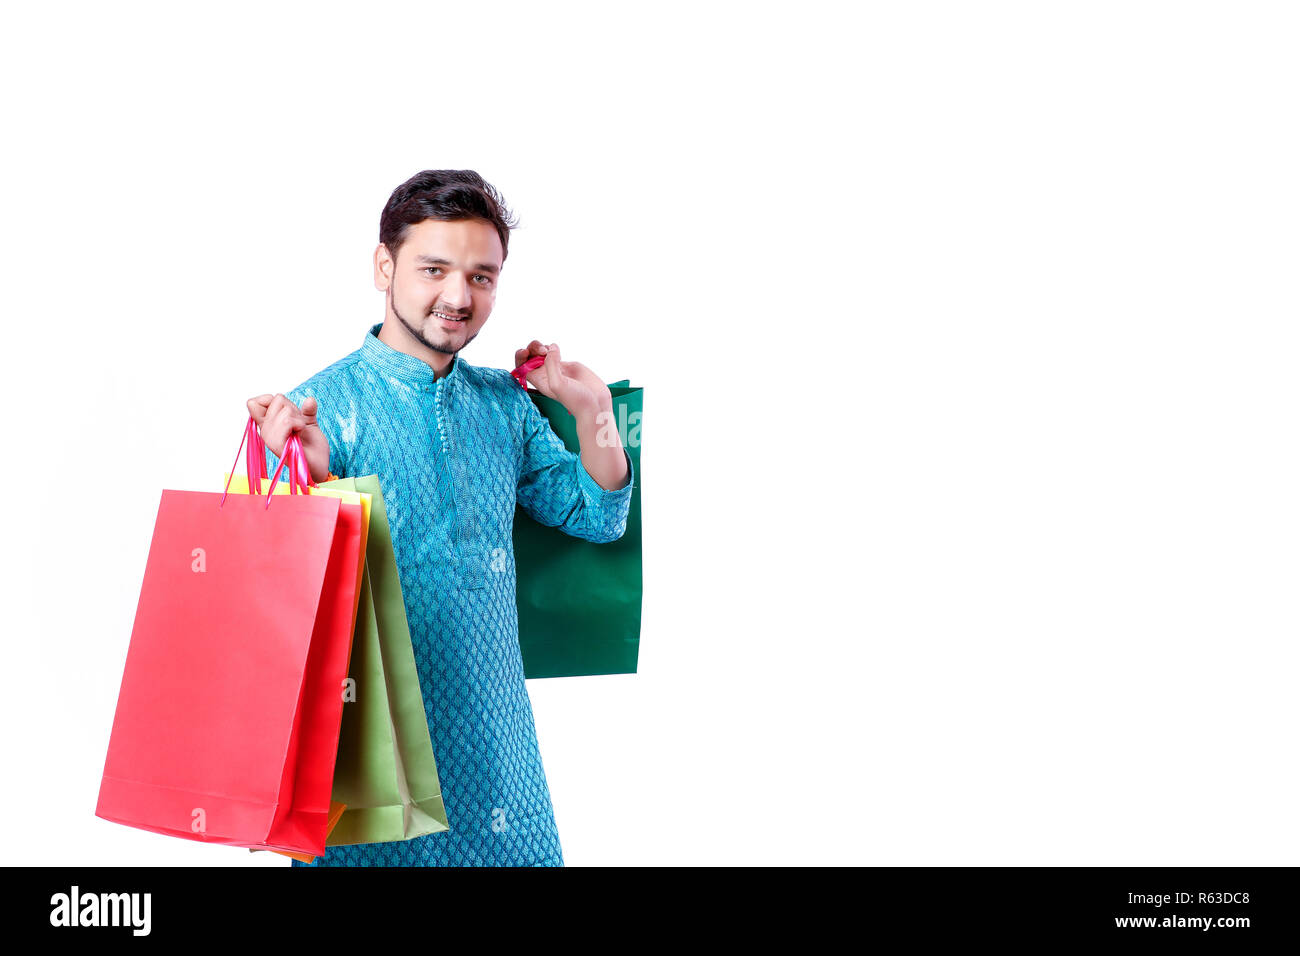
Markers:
(453, 456)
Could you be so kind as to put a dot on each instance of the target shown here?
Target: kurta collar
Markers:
(405, 368)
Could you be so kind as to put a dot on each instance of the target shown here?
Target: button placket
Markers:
(437, 410)
(469, 563)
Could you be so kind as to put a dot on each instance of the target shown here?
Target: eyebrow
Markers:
(435, 261)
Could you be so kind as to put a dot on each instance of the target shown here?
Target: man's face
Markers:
(445, 272)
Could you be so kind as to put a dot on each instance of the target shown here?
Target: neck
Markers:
(395, 336)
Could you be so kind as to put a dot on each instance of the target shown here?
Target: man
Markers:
(455, 446)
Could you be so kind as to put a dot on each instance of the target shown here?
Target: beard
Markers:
(415, 332)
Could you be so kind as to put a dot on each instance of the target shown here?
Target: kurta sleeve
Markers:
(555, 489)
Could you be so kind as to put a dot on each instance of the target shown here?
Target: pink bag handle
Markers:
(255, 464)
(521, 373)
(255, 459)
(295, 458)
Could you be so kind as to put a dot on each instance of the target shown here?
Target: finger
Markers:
(286, 417)
(286, 414)
(257, 407)
(535, 349)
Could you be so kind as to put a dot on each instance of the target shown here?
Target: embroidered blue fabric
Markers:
(453, 456)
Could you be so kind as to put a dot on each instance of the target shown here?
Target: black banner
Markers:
(1230, 906)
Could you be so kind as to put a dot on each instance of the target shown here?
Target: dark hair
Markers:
(447, 195)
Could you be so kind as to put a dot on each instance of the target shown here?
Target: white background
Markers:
(968, 334)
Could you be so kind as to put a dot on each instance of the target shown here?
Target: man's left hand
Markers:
(572, 384)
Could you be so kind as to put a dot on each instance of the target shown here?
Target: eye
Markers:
(486, 280)
(431, 269)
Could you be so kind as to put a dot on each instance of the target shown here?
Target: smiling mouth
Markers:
(450, 318)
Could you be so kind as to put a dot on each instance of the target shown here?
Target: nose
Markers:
(455, 292)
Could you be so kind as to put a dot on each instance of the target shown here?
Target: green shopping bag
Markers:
(566, 630)
(385, 771)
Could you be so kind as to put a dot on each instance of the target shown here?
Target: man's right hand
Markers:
(277, 418)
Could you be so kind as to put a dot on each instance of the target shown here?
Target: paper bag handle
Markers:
(255, 464)
(521, 373)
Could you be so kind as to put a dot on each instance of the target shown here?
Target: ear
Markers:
(384, 266)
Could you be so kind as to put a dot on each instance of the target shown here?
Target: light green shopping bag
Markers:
(385, 772)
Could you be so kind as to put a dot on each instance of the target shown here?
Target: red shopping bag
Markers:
(327, 663)
(227, 722)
